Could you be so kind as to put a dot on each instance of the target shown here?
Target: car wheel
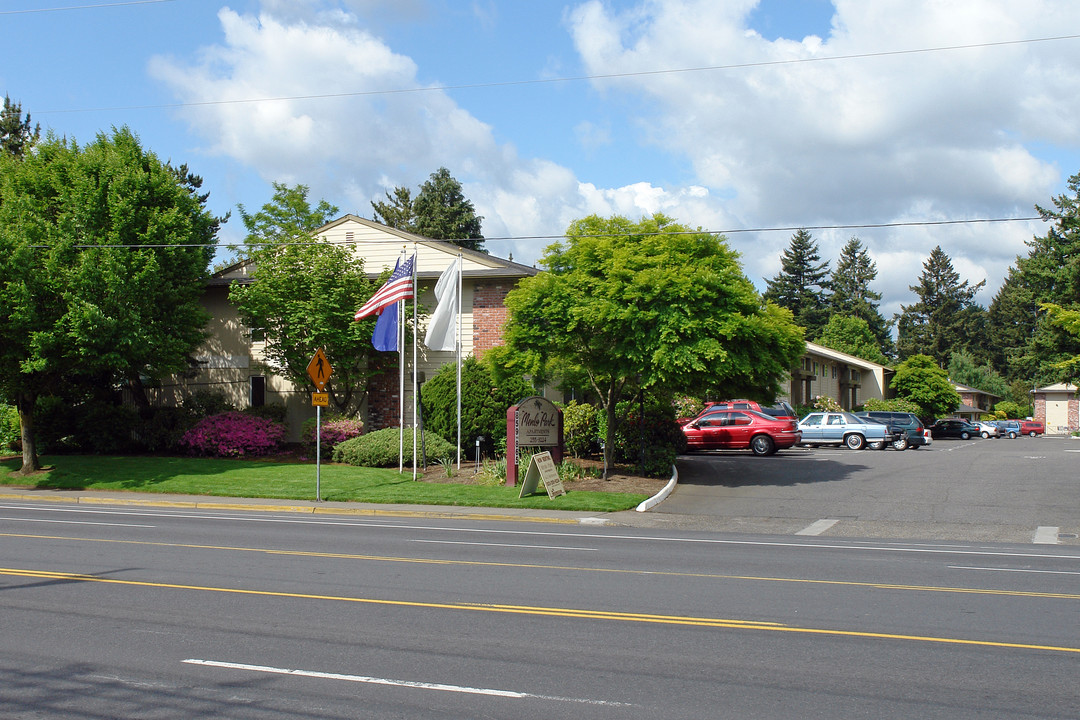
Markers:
(762, 445)
(965, 435)
(855, 441)
(1012, 436)
(1032, 434)
(986, 436)
(900, 444)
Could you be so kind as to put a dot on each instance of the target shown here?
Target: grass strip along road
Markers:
(289, 481)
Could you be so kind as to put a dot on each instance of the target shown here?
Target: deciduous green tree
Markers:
(802, 285)
(853, 336)
(923, 382)
(288, 217)
(104, 252)
(303, 295)
(650, 304)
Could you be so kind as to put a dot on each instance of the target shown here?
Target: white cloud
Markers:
(767, 142)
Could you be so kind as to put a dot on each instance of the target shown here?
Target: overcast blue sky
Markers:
(726, 115)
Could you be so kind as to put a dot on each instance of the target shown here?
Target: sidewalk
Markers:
(311, 507)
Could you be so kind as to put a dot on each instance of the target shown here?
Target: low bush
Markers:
(580, 429)
(277, 413)
(234, 434)
(205, 403)
(380, 449)
(893, 405)
(164, 430)
(10, 429)
(651, 443)
(334, 431)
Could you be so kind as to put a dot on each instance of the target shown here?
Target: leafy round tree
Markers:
(920, 380)
(651, 304)
(104, 251)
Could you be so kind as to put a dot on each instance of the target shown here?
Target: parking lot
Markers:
(1023, 490)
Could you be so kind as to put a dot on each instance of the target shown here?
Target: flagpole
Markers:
(401, 388)
(416, 291)
(461, 264)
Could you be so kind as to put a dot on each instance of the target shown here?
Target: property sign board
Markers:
(533, 422)
(537, 423)
(542, 469)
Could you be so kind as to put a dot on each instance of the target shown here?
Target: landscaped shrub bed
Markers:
(233, 434)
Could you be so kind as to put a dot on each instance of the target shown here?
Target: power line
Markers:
(792, 228)
(548, 81)
(83, 7)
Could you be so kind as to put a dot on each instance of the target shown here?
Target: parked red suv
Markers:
(1031, 427)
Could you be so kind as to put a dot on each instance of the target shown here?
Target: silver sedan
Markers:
(842, 428)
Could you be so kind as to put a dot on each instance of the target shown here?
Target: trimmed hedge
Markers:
(380, 449)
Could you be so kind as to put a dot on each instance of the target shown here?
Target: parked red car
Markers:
(740, 430)
(781, 410)
(1032, 427)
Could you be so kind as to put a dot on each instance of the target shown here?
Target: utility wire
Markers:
(792, 228)
(83, 7)
(548, 81)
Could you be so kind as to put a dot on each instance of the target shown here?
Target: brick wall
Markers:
(489, 313)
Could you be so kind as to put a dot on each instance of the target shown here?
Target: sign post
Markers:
(319, 371)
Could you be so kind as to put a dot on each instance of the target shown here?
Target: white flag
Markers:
(442, 329)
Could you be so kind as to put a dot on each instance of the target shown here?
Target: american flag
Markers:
(398, 287)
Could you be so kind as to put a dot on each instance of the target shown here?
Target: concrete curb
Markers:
(661, 496)
(311, 508)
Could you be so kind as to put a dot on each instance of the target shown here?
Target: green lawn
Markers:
(287, 481)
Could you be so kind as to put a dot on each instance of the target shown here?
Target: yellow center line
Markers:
(543, 611)
(566, 568)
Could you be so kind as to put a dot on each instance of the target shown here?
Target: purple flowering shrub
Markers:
(334, 430)
(233, 434)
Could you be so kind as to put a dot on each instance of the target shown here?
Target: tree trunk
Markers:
(609, 436)
(138, 395)
(25, 404)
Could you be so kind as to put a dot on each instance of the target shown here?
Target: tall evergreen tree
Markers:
(16, 135)
(440, 211)
(1032, 347)
(946, 318)
(851, 293)
(802, 285)
(398, 211)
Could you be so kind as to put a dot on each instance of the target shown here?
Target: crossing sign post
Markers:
(319, 371)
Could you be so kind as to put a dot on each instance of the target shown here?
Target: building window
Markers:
(258, 390)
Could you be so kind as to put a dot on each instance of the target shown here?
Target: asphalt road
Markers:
(1023, 490)
(142, 612)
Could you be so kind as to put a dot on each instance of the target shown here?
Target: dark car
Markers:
(954, 428)
(908, 425)
(740, 430)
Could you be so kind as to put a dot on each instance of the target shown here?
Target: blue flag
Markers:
(385, 336)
